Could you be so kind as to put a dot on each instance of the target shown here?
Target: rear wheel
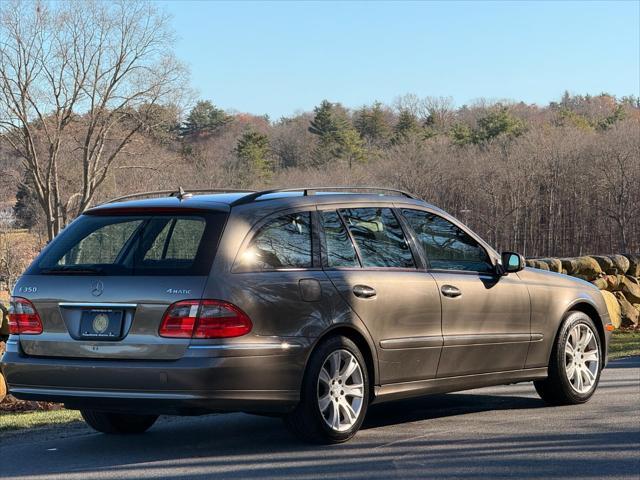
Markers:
(118, 423)
(334, 395)
(575, 363)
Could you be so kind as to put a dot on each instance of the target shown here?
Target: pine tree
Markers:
(617, 115)
(371, 124)
(159, 121)
(26, 209)
(338, 138)
(349, 146)
(205, 117)
(407, 126)
(498, 121)
(254, 152)
(324, 123)
(461, 134)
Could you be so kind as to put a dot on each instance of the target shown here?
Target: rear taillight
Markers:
(204, 319)
(221, 320)
(23, 317)
(179, 319)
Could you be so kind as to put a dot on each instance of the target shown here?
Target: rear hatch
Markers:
(102, 287)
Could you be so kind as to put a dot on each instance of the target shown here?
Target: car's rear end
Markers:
(111, 316)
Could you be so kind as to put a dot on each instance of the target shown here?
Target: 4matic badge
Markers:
(178, 291)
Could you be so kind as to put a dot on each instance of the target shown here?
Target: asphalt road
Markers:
(485, 433)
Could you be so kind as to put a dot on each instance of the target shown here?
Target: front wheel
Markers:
(575, 363)
(118, 423)
(334, 395)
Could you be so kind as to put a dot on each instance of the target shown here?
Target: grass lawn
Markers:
(16, 421)
(624, 343)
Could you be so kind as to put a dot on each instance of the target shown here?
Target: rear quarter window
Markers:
(283, 242)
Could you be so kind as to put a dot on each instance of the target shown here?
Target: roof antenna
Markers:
(181, 194)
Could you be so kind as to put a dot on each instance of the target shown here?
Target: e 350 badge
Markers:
(27, 289)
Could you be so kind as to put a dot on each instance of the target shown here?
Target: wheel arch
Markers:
(590, 310)
(362, 341)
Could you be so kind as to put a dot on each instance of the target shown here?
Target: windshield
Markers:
(134, 245)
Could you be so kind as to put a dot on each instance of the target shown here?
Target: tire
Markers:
(324, 387)
(118, 423)
(562, 386)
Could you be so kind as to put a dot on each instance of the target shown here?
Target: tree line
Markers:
(98, 111)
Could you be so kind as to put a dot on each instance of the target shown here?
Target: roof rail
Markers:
(180, 193)
(306, 191)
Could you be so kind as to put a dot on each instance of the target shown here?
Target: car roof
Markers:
(217, 202)
(227, 200)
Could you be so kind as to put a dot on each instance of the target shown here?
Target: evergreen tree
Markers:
(338, 138)
(371, 124)
(617, 115)
(254, 152)
(159, 121)
(406, 127)
(26, 209)
(461, 134)
(205, 117)
(349, 146)
(566, 117)
(498, 121)
(325, 123)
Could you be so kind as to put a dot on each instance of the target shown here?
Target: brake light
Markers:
(23, 317)
(179, 319)
(221, 320)
(204, 319)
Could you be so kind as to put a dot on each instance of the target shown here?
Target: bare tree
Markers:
(618, 163)
(7, 220)
(80, 78)
(409, 102)
(17, 249)
(439, 111)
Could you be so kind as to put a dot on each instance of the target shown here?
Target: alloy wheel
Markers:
(340, 390)
(582, 358)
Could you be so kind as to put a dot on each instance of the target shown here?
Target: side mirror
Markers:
(512, 262)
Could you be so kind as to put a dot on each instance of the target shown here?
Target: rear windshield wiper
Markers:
(71, 269)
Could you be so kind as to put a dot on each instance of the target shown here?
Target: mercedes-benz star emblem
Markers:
(97, 288)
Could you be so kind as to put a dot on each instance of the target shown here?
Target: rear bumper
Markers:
(191, 385)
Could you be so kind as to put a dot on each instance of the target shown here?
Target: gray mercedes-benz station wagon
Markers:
(309, 303)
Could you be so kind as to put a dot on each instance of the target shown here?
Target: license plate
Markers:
(101, 324)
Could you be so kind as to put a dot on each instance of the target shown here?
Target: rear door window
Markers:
(446, 246)
(379, 237)
(339, 250)
(283, 242)
(134, 245)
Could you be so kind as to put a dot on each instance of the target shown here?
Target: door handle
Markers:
(450, 291)
(364, 291)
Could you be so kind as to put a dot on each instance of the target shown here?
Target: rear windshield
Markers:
(134, 245)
